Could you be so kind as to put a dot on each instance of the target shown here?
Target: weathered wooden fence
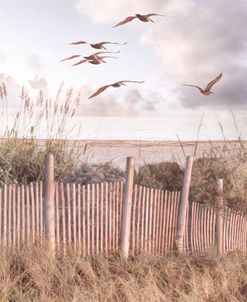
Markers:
(89, 219)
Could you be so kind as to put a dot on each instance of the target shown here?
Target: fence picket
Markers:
(88, 218)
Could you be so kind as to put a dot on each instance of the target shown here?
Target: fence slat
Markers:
(114, 217)
(33, 211)
(117, 214)
(74, 216)
(146, 220)
(87, 219)
(138, 223)
(41, 209)
(84, 249)
(14, 215)
(37, 207)
(9, 214)
(5, 215)
(97, 225)
(161, 222)
(18, 204)
(92, 218)
(106, 218)
(61, 187)
(28, 215)
(133, 220)
(23, 212)
(57, 213)
(219, 219)
(155, 237)
(102, 218)
(110, 217)
(68, 191)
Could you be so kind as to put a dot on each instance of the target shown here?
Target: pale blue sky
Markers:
(193, 47)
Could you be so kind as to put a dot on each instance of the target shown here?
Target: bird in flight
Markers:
(94, 61)
(143, 18)
(207, 90)
(90, 57)
(116, 84)
(96, 55)
(100, 45)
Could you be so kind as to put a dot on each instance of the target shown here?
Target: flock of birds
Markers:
(99, 57)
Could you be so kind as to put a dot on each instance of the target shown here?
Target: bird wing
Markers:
(194, 86)
(128, 19)
(128, 81)
(77, 43)
(210, 84)
(96, 54)
(101, 89)
(103, 57)
(103, 52)
(150, 15)
(69, 58)
(80, 62)
(102, 43)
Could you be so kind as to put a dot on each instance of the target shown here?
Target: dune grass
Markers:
(22, 151)
(33, 275)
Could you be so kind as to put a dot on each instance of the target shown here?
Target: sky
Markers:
(192, 44)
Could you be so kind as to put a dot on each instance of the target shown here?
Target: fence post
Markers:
(126, 211)
(219, 219)
(183, 204)
(50, 201)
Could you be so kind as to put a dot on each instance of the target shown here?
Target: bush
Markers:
(96, 173)
(164, 175)
(232, 169)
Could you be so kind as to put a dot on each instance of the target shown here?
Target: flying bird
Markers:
(99, 45)
(90, 57)
(143, 18)
(207, 90)
(117, 84)
(95, 61)
(96, 54)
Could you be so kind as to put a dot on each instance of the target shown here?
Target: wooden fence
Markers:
(89, 219)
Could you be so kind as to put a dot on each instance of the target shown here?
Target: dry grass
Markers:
(21, 154)
(34, 275)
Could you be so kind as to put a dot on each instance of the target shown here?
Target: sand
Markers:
(148, 151)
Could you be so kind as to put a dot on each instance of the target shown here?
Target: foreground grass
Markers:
(35, 276)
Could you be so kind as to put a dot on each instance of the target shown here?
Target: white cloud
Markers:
(38, 83)
(124, 101)
(204, 39)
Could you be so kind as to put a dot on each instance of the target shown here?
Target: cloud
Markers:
(117, 103)
(13, 91)
(204, 39)
(38, 83)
